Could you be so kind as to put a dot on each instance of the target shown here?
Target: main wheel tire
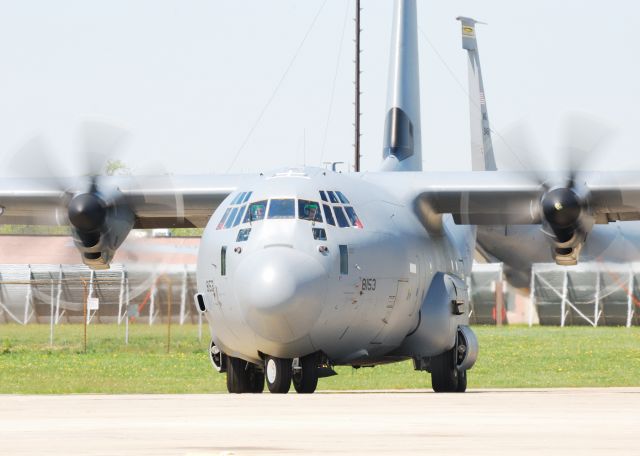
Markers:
(444, 375)
(237, 375)
(305, 380)
(462, 382)
(278, 374)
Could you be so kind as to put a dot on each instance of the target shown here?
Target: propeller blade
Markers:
(583, 138)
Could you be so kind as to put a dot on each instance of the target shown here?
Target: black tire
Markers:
(305, 379)
(256, 380)
(278, 374)
(444, 375)
(237, 376)
(462, 382)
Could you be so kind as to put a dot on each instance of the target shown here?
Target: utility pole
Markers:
(357, 84)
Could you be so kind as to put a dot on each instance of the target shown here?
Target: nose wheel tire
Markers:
(305, 379)
(278, 372)
(445, 377)
(243, 377)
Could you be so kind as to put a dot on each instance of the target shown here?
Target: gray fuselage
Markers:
(286, 294)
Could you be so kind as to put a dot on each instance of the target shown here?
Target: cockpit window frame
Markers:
(248, 218)
(287, 216)
(240, 216)
(332, 197)
(328, 215)
(353, 217)
(222, 221)
(302, 204)
(232, 217)
(343, 199)
(341, 217)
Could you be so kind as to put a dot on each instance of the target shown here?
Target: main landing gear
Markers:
(445, 375)
(449, 369)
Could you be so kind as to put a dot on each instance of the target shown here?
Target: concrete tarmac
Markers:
(531, 422)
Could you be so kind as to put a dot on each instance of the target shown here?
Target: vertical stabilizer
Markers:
(402, 139)
(482, 158)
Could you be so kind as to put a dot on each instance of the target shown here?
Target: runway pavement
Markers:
(563, 421)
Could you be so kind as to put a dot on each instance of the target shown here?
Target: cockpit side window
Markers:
(256, 211)
(309, 210)
(343, 199)
(239, 216)
(243, 235)
(223, 219)
(333, 198)
(238, 198)
(328, 215)
(231, 218)
(340, 217)
(353, 217)
(282, 209)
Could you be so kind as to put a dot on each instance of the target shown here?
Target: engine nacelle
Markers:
(98, 228)
(445, 308)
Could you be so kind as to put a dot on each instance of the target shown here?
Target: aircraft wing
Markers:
(156, 201)
(566, 206)
(503, 197)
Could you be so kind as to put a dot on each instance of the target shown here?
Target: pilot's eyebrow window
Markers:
(223, 219)
(343, 199)
(332, 197)
(231, 218)
(319, 234)
(323, 196)
(328, 215)
(243, 235)
(355, 221)
(239, 216)
(256, 211)
(282, 209)
(340, 217)
(309, 210)
(246, 197)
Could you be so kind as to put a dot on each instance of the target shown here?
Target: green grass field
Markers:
(510, 357)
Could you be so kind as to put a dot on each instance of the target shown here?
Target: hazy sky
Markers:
(190, 79)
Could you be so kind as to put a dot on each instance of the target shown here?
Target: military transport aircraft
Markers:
(518, 246)
(303, 269)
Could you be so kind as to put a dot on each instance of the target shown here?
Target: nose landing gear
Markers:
(305, 374)
(279, 373)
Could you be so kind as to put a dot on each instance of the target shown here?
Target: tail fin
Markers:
(402, 149)
(482, 158)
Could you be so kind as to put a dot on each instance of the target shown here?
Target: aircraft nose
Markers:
(281, 292)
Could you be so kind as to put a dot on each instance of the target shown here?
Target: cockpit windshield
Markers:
(334, 210)
(256, 211)
(309, 210)
(282, 209)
